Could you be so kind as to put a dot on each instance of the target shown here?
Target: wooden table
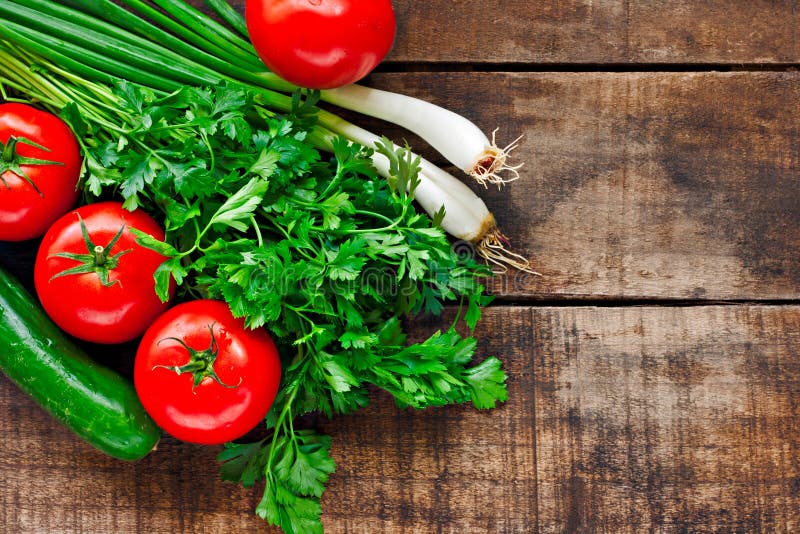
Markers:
(654, 368)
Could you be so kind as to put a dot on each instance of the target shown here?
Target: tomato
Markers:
(29, 206)
(321, 44)
(202, 376)
(101, 289)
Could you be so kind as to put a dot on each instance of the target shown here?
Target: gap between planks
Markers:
(445, 67)
(629, 302)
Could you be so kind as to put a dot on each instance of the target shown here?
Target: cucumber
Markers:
(93, 401)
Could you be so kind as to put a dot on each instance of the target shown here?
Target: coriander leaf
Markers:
(147, 241)
(295, 481)
(134, 97)
(141, 171)
(337, 375)
(357, 340)
(172, 268)
(98, 175)
(474, 304)
(189, 178)
(72, 116)
(438, 217)
(312, 464)
(435, 373)
(416, 263)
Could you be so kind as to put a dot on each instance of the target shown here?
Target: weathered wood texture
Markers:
(668, 419)
(640, 185)
(640, 419)
(595, 31)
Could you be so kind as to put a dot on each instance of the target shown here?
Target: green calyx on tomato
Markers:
(98, 259)
(201, 362)
(11, 161)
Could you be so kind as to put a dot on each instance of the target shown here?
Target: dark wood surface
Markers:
(598, 32)
(654, 368)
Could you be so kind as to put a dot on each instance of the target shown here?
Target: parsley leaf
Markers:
(241, 205)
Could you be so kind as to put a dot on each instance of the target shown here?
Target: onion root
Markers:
(492, 162)
(495, 248)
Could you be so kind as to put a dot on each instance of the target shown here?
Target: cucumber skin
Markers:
(93, 401)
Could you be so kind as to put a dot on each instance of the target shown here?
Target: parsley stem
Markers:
(20, 72)
(392, 223)
(257, 230)
(282, 230)
(286, 411)
(99, 95)
(32, 92)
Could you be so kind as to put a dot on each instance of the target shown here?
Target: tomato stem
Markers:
(201, 362)
(100, 255)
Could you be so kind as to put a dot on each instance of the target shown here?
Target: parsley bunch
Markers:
(314, 247)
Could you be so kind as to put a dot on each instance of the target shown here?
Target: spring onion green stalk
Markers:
(458, 139)
(231, 17)
(205, 26)
(105, 52)
(215, 45)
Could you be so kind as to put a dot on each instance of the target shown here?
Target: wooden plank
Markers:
(594, 32)
(668, 419)
(639, 185)
(619, 420)
(52, 482)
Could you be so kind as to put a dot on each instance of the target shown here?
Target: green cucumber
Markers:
(93, 401)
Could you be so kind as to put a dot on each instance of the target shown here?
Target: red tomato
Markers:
(29, 207)
(105, 295)
(321, 44)
(201, 387)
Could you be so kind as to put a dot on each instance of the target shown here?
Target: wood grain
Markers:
(668, 419)
(639, 185)
(53, 483)
(594, 32)
(661, 419)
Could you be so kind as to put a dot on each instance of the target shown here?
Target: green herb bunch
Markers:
(317, 248)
